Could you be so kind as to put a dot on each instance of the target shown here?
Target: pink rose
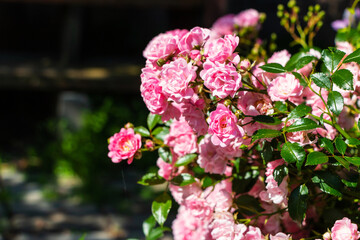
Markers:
(193, 39)
(247, 18)
(223, 126)
(209, 159)
(254, 104)
(153, 96)
(165, 169)
(181, 138)
(124, 145)
(221, 49)
(284, 87)
(181, 193)
(344, 229)
(281, 57)
(280, 236)
(198, 207)
(224, 228)
(175, 78)
(221, 79)
(163, 45)
(223, 26)
(254, 233)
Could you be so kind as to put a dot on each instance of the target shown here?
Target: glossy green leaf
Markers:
(165, 154)
(152, 120)
(155, 234)
(327, 144)
(302, 124)
(292, 152)
(328, 183)
(303, 61)
(279, 173)
(251, 205)
(266, 120)
(321, 80)
(342, 161)
(352, 142)
(340, 145)
(299, 111)
(161, 207)
(300, 78)
(273, 68)
(160, 132)
(315, 158)
(151, 179)
(142, 131)
(185, 160)
(265, 133)
(353, 57)
(298, 203)
(343, 78)
(353, 160)
(291, 64)
(267, 152)
(331, 58)
(335, 102)
(148, 225)
(183, 179)
(280, 106)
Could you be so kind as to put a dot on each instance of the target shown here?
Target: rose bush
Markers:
(252, 144)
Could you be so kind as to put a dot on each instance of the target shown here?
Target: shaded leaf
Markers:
(248, 205)
(298, 203)
(183, 179)
(155, 234)
(266, 120)
(342, 161)
(279, 173)
(328, 183)
(300, 78)
(160, 132)
(165, 154)
(267, 152)
(327, 144)
(302, 124)
(353, 160)
(280, 106)
(291, 64)
(340, 145)
(315, 158)
(151, 179)
(353, 57)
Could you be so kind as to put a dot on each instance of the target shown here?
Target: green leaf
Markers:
(293, 152)
(303, 61)
(321, 80)
(248, 205)
(280, 106)
(265, 133)
(151, 179)
(161, 207)
(267, 152)
(298, 203)
(148, 225)
(266, 119)
(273, 68)
(342, 161)
(279, 173)
(300, 111)
(165, 154)
(152, 120)
(82, 236)
(343, 78)
(183, 179)
(340, 145)
(300, 78)
(328, 183)
(327, 144)
(185, 160)
(352, 142)
(353, 160)
(331, 58)
(155, 234)
(291, 64)
(349, 183)
(335, 102)
(315, 158)
(160, 132)
(302, 124)
(142, 131)
(353, 57)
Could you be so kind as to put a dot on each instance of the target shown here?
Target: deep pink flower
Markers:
(344, 229)
(284, 87)
(221, 79)
(223, 126)
(124, 145)
(175, 78)
(181, 138)
(221, 49)
(247, 18)
(195, 38)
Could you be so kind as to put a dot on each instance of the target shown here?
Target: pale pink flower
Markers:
(223, 26)
(254, 104)
(327, 236)
(198, 207)
(254, 233)
(153, 96)
(175, 78)
(194, 38)
(163, 45)
(280, 236)
(181, 138)
(284, 87)
(124, 145)
(221, 79)
(344, 229)
(346, 47)
(223, 126)
(300, 137)
(209, 159)
(224, 228)
(232, 149)
(181, 193)
(219, 196)
(281, 57)
(165, 169)
(247, 18)
(221, 49)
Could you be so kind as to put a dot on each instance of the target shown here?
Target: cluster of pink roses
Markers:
(210, 95)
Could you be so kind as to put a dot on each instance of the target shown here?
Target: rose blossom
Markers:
(165, 169)
(254, 233)
(221, 49)
(209, 159)
(181, 138)
(284, 87)
(247, 18)
(224, 228)
(221, 79)
(153, 96)
(124, 145)
(175, 78)
(198, 207)
(223, 26)
(344, 229)
(195, 38)
(280, 236)
(281, 57)
(223, 126)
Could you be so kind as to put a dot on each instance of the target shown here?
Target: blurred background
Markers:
(69, 79)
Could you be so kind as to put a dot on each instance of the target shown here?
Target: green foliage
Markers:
(161, 207)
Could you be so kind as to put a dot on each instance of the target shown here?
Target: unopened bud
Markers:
(138, 155)
(160, 62)
(291, 4)
(129, 125)
(317, 7)
(245, 64)
(149, 144)
(280, 7)
(238, 114)
(227, 102)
